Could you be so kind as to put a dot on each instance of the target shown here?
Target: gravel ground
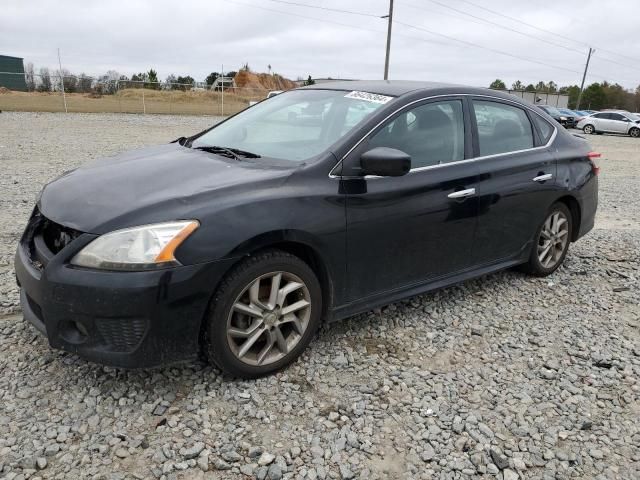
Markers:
(503, 377)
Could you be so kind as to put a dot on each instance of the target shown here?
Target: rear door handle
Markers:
(543, 178)
(462, 193)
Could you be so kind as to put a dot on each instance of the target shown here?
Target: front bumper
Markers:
(122, 319)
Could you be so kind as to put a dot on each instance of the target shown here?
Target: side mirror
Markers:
(385, 162)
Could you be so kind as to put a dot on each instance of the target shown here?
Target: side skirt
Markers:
(385, 298)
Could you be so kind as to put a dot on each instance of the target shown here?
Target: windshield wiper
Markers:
(244, 153)
(219, 150)
(228, 152)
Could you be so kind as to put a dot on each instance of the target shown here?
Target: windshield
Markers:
(295, 125)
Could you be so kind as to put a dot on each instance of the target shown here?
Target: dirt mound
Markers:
(262, 81)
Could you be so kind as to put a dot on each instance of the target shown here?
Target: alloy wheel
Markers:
(269, 318)
(588, 129)
(635, 132)
(553, 239)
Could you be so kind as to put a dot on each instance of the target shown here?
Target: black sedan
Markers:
(567, 121)
(311, 206)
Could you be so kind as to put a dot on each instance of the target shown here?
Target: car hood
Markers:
(148, 185)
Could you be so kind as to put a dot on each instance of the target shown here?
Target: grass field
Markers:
(132, 101)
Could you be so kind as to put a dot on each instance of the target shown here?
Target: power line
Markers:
(306, 17)
(517, 31)
(351, 12)
(500, 14)
(500, 52)
(357, 27)
(504, 27)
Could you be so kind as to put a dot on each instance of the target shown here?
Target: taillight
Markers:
(594, 166)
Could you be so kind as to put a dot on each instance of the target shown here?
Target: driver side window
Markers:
(431, 133)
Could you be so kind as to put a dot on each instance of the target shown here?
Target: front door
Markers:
(420, 226)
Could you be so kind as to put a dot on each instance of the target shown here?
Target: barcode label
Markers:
(369, 97)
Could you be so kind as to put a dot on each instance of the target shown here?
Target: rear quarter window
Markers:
(545, 129)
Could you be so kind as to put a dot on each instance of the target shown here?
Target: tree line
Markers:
(596, 96)
(46, 80)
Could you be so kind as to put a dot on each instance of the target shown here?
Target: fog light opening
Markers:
(74, 332)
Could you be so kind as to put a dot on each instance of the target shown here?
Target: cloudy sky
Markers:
(445, 40)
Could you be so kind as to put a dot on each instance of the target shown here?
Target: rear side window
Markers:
(544, 128)
(601, 115)
(502, 128)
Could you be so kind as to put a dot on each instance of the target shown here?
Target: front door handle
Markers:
(462, 193)
(543, 178)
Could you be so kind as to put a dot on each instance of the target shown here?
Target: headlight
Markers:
(563, 118)
(139, 248)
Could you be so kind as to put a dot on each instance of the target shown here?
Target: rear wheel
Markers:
(551, 242)
(263, 315)
(588, 129)
(635, 132)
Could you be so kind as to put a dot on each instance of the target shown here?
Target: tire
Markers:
(539, 264)
(588, 129)
(247, 332)
(635, 132)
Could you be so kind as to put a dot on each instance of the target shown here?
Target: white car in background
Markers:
(611, 121)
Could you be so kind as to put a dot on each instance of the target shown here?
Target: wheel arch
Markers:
(576, 214)
(301, 245)
(295, 243)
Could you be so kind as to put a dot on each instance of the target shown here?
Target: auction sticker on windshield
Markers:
(369, 97)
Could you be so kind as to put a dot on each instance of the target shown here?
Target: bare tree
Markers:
(108, 83)
(29, 77)
(45, 80)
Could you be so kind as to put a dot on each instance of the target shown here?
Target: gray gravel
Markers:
(503, 377)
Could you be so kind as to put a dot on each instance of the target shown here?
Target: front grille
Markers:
(121, 334)
(44, 238)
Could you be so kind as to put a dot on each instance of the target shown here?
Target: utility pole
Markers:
(386, 59)
(222, 90)
(64, 97)
(584, 75)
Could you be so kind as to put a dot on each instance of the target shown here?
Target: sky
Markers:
(457, 41)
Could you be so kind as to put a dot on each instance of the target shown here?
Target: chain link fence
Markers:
(87, 94)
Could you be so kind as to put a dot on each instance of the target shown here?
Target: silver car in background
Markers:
(611, 121)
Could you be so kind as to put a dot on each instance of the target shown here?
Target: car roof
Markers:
(396, 88)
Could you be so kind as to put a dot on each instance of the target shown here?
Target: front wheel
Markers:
(551, 242)
(263, 315)
(588, 129)
(635, 132)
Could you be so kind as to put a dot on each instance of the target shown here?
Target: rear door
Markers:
(516, 177)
